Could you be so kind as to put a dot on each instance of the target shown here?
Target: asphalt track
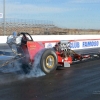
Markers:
(79, 82)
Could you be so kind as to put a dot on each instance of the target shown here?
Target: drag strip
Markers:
(79, 82)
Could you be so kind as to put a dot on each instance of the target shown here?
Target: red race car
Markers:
(29, 51)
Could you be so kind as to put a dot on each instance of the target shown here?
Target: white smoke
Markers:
(16, 67)
(36, 67)
(13, 67)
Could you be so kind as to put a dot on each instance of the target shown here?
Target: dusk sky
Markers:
(84, 14)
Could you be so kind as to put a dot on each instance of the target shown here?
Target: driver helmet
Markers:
(14, 34)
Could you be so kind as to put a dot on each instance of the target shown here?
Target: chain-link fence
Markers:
(37, 27)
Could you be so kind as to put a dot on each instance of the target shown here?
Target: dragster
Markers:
(26, 49)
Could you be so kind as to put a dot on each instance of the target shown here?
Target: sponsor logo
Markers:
(49, 45)
(90, 44)
(74, 45)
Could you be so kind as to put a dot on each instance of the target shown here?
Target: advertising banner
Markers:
(85, 44)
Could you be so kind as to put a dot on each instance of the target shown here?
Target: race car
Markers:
(26, 50)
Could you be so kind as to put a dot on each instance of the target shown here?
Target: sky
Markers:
(80, 14)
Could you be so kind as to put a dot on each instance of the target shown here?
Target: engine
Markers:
(63, 47)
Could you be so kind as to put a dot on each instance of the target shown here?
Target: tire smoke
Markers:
(13, 72)
(36, 67)
(10, 68)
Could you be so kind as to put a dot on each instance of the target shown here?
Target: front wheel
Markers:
(48, 61)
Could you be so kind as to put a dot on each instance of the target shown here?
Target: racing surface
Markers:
(79, 82)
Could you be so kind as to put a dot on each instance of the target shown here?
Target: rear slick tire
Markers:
(48, 61)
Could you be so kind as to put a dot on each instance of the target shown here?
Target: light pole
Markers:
(4, 32)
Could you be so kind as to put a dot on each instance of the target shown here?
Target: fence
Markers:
(39, 27)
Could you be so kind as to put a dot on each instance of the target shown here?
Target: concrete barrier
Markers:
(77, 41)
(3, 39)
